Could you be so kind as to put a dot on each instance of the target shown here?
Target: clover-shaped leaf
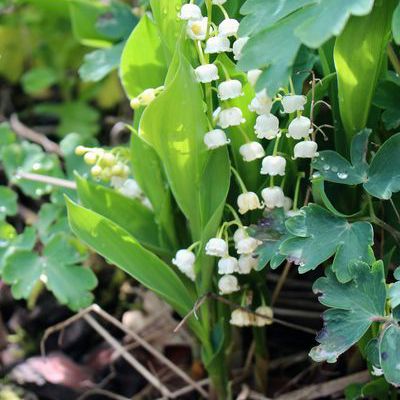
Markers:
(317, 235)
(353, 308)
(8, 202)
(57, 268)
(335, 168)
(389, 355)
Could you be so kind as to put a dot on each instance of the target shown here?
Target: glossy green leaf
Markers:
(396, 24)
(100, 63)
(335, 168)
(8, 202)
(389, 354)
(142, 63)
(129, 214)
(359, 67)
(318, 235)
(384, 175)
(353, 307)
(174, 124)
(121, 249)
(57, 269)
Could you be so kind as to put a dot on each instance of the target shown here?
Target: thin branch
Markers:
(27, 133)
(280, 283)
(49, 180)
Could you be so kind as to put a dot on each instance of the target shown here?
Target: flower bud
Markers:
(147, 96)
(190, 12)
(230, 117)
(240, 234)
(247, 245)
(273, 165)
(206, 73)
(117, 169)
(299, 128)
(267, 126)
(80, 150)
(197, 29)
(230, 89)
(237, 47)
(248, 201)
(228, 265)
(261, 104)
(273, 197)
(135, 103)
(228, 284)
(306, 149)
(293, 103)
(90, 158)
(251, 151)
(215, 138)
(108, 159)
(96, 171)
(131, 189)
(217, 44)
(265, 311)
(241, 318)
(217, 247)
(253, 75)
(228, 27)
(247, 263)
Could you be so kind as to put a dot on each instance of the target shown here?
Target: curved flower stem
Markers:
(300, 176)
(239, 180)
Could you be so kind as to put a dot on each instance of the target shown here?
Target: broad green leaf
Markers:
(244, 133)
(121, 249)
(396, 24)
(129, 214)
(84, 16)
(57, 269)
(384, 175)
(279, 27)
(394, 290)
(335, 168)
(52, 220)
(38, 79)
(142, 62)
(78, 117)
(387, 97)
(174, 124)
(100, 63)
(376, 389)
(8, 202)
(317, 235)
(165, 14)
(353, 308)
(389, 354)
(359, 66)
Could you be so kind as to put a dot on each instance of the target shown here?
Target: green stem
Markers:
(239, 180)
(297, 190)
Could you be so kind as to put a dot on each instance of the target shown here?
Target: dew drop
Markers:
(36, 166)
(334, 169)
(321, 158)
(316, 175)
(342, 175)
(326, 167)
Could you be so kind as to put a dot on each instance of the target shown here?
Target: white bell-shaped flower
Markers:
(130, 188)
(228, 284)
(299, 128)
(218, 2)
(230, 117)
(247, 263)
(267, 313)
(241, 318)
(217, 247)
(215, 138)
(267, 126)
(248, 201)
(287, 203)
(237, 47)
(228, 265)
(230, 89)
(261, 104)
(190, 12)
(206, 73)
(273, 197)
(306, 149)
(293, 103)
(184, 259)
(253, 75)
(251, 151)
(247, 245)
(228, 27)
(217, 44)
(197, 29)
(273, 165)
(239, 235)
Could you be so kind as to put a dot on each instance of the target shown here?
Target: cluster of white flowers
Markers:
(113, 167)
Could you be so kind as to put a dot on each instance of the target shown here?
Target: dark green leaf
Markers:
(377, 389)
(318, 235)
(394, 290)
(389, 345)
(353, 307)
